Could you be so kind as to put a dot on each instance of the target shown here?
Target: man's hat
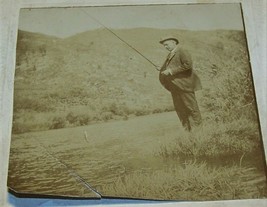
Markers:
(168, 38)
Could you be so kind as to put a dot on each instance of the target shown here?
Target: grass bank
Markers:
(190, 181)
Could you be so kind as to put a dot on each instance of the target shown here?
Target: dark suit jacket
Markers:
(182, 75)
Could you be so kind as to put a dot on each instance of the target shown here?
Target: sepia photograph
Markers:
(152, 102)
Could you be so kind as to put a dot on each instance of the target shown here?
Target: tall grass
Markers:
(190, 181)
(214, 139)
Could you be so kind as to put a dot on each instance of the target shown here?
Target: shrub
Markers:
(116, 109)
(32, 104)
(141, 112)
(31, 121)
(58, 122)
(84, 119)
(79, 118)
(157, 110)
(18, 128)
(71, 118)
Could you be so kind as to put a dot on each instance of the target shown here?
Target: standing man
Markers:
(178, 77)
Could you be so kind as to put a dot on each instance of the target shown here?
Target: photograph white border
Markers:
(254, 13)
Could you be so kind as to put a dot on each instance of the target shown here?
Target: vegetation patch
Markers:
(215, 139)
(192, 181)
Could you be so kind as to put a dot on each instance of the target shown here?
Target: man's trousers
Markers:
(187, 109)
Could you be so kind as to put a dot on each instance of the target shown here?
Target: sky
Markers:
(65, 22)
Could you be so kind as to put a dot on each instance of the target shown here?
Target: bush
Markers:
(157, 110)
(31, 121)
(18, 128)
(106, 115)
(84, 119)
(32, 104)
(58, 122)
(71, 118)
(79, 118)
(141, 112)
(116, 109)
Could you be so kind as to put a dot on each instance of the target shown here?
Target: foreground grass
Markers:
(190, 181)
(215, 139)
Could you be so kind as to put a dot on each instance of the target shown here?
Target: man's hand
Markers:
(158, 68)
(166, 72)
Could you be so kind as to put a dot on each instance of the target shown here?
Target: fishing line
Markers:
(112, 32)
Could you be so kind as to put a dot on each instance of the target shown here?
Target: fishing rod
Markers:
(112, 32)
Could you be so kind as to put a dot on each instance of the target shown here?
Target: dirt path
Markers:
(63, 160)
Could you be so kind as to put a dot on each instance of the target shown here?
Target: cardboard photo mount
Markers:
(254, 15)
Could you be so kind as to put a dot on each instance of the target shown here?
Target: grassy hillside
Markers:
(94, 76)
